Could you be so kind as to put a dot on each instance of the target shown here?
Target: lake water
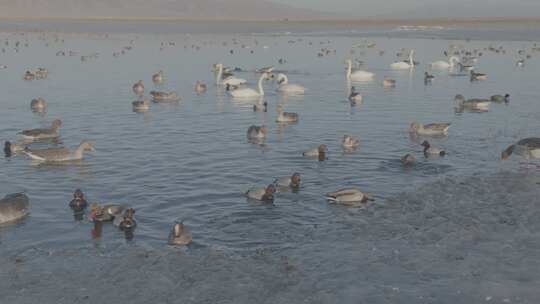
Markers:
(463, 228)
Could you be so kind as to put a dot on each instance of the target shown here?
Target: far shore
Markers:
(327, 22)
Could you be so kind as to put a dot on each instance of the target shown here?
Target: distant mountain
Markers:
(192, 9)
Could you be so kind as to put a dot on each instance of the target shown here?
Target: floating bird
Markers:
(262, 194)
(319, 152)
(256, 132)
(500, 98)
(478, 76)
(349, 197)
(51, 132)
(350, 142)
(249, 92)
(389, 83)
(60, 154)
(78, 203)
(141, 105)
(432, 129)
(428, 77)
(285, 116)
(14, 207)
(12, 148)
(288, 181)
(164, 96)
(355, 97)
(200, 87)
(38, 105)
(286, 87)
(358, 75)
(158, 77)
(472, 104)
(403, 65)
(445, 64)
(138, 88)
(527, 147)
(408, 160)
(429, 150)
(179, 235)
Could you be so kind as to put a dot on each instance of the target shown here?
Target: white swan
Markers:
(441, 64)
(286, 87)
(249, 92)
(231, 80)
(402, 65)
(358, 75)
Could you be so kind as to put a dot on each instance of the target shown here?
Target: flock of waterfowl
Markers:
(16, 206)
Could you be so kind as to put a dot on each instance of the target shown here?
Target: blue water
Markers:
(463, 228)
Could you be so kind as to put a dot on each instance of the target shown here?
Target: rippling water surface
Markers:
(463, 228)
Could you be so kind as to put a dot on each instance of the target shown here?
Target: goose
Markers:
(429, 150)
(500, 98)
(358, 75)
(12, 148)
(200, 87)
(179, 235)
(478, 76)
(402, 65)
(288, 181)
(256, 132)
(285, 116)
(141, 105)
(445, 64)
(408, 160)
(527, 147)
(319, 152)
(38, 105)
(262, 194)
(249, 92)
(231, 80)
(164, 96)
(350, 142)
(349, 197)
(51, 132)
(389, 83)
(138, 88)
(286, 87)
(432, 129)
(78, 203)
(14, 207)
(158, 77)
(472, 104)
(60, 154)
(355, 97)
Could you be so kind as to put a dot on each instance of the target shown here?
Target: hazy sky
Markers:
(423, 8)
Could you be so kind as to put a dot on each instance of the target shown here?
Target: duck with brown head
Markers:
(262, 194)
(179, 235)
(78, 203)
(430, 150)
(12, 148)
(288, 181)
(319, 152)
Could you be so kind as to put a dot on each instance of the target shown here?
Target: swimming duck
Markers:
(125, 219)
(389, 83)
(51, 132)
(319, 152)
(350, 142)
(141, 105)
(432, 129)
(29, 76)
(288, 181)
(107, 212)
(38, 104)
(500, 98)
(164, 96)
(180, 235)
(428, 77)
(41, 73)
(256, 132)
(285, 116)
(14, 207)
(355, 97)
(12, 148)
(158, 77)
(260, 107)
(138, 88)
(262, 194)
(200, 87)
(527, 147)
(78, 202)
(60, 154)
(349, 197)
(473, 104)
(429, 150)
(477, 76)
(408, 160)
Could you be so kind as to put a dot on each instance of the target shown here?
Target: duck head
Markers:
(408, 160)
(88, 145)
(269, 193)
(322, 152)
(178, 229)
(425, 144)
(7, 148)
(295, 180)
(57, 123)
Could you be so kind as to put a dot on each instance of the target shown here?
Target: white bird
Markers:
(231, 80)
(288, 88)
(402, 65)
(441, 64)
(249, 92)
(358, 75)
